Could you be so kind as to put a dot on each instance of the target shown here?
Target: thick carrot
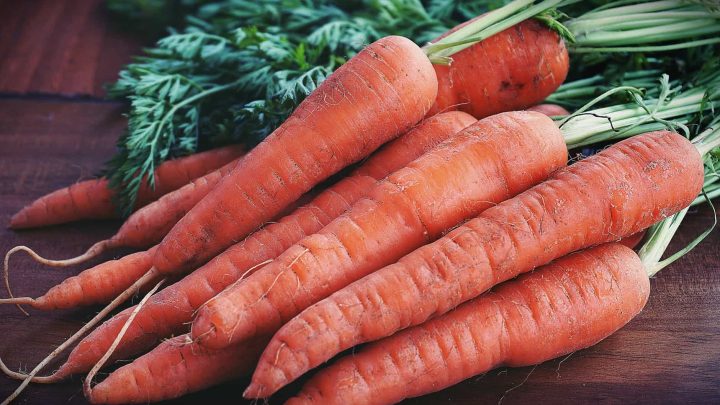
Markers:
(551, 110)
(488, 162)
(615, 193)
(175, 368)
(568, 305)
(92, 199)
(512, 70)
(168, 312)
(377, 95)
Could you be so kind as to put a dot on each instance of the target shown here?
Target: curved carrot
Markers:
(488, 162)
(617, 192)
(377, 95)
(175, 368)
(512, 70)
(92, 199)
(565, 306)
(551, 110)
(168, 312)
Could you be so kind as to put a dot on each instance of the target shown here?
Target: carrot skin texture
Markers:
(473, 170)
(97, 285)
(168, 312)
(374, 97)
(551, 110)
(512, 70)
(565, 306)
(173, 369)
(92, 199)
(149, 225)
(618, 192)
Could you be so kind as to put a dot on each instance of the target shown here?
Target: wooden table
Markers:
(56, 128)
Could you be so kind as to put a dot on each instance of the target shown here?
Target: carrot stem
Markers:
(616, 27)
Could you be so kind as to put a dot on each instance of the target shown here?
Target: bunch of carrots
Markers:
(458, 240)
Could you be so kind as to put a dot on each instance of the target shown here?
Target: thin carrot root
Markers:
(87, 389)
(94, 250)
(62, 373)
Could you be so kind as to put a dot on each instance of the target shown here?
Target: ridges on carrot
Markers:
(486, 163)
(377, 95)
(562, 307)
(618, 192)
(167, 313)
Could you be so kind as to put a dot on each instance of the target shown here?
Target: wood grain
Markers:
(669, 353)
(63, 47)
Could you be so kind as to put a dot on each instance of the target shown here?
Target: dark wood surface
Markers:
(64, 51)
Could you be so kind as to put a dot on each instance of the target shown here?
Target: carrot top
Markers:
(634, 26)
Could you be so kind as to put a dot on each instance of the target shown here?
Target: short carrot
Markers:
(520, 67)
(175, 368)
(168, 312)
(488, 162)
(92, 199)
(565, 306)
(617, 192)
(377, 95)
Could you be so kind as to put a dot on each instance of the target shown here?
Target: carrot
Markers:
(617, 192)
(551, 110)
(633, 240)
(97, 285)
(486, 163)
(565, 306)
(520, 67)
(374, 97)
(146, 226)
(92, 199)
(175, 368)
(168, 312)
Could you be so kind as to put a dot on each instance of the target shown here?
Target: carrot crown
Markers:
(621, 26)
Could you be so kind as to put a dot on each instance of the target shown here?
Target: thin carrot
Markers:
(617, 192)
(93, 199)
(488, 162)
(174, 368)
(520, 67)
(374, 97)
(168, 312)
(551, 110)
(146, 226)
(565, 306)
(97, 285)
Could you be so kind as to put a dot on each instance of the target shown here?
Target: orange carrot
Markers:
(175, 368)
(551, 110)
(97, 285)
(617, 192)
(146, 226)
(168, 312)
(92, 199)
(568, 305)
(520, 67)
(377, 95)
(488, 162)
